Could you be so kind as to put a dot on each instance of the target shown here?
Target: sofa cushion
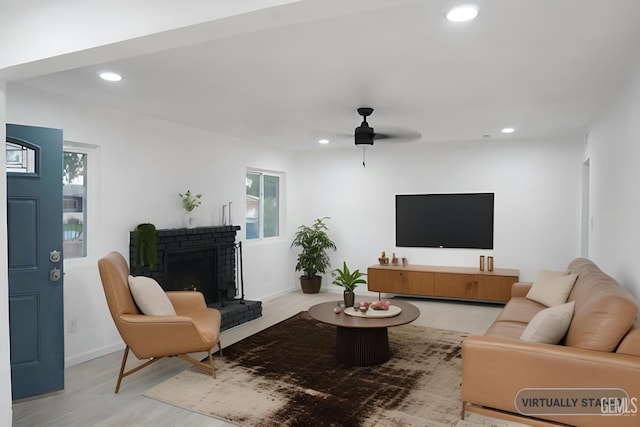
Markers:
(551, 288)
(150, 297)
(549, 325)
(520, 309)
(506, 329)
(604, 312)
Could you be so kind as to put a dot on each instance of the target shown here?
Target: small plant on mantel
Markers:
(190, 201)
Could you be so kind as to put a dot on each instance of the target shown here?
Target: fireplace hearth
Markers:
(205, 259)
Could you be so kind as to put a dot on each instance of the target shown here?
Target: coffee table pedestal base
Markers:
(362, 346)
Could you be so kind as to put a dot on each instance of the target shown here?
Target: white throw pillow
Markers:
(150, 297)
(552, 287)
(550, 325)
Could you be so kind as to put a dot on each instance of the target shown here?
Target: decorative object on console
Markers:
(383, 259)
(349, 280)
(481, 262)
(144, 242)
(490, 263)
(394, 259)
(313, 258)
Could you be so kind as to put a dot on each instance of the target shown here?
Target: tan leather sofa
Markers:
(601, 350)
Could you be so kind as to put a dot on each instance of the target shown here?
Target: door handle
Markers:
(55, 275)
(54, 256)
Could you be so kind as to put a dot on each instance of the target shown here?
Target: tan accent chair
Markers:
(195, 328)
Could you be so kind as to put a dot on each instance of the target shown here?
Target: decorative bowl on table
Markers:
(380, 305)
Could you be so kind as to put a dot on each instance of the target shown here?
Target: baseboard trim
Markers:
(89, 355)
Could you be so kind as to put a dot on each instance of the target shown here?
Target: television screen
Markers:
(445, 220)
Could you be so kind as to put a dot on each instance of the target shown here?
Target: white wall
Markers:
(5, 364)
(143, 163)
(537, 198)
(614, 152)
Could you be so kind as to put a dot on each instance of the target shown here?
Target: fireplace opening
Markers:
(192, 269)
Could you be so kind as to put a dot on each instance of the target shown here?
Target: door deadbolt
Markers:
(54, 256)
(55, 275)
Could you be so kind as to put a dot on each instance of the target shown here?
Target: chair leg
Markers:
(220, 347)
(213, 369)
(122, 365)
(463, 410)
(134, 370)
(201, 365)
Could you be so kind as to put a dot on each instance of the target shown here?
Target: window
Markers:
(262, 204)
(74, 203)
(20, 159)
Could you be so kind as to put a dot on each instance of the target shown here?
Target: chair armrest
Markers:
(186, 301)
(520, 289)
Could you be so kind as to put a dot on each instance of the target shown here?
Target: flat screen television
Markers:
(461, 220)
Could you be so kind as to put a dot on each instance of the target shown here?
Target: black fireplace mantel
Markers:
(179, 240)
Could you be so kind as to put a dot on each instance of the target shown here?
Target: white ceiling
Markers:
(545, 67)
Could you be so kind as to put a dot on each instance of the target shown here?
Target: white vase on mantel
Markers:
(188, 220)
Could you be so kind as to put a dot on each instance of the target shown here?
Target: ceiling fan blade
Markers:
(398, 135)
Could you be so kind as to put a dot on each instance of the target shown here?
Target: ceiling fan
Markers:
(365, 135)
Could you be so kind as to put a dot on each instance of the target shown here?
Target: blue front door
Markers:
(34, 225)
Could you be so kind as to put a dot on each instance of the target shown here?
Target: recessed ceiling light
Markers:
(110, 77)
(462, 13)
(323, 141)
(508, 130)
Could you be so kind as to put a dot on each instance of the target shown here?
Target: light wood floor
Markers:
(89, 400)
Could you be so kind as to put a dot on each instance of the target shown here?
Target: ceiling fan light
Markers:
(364, 134)
(462, 13)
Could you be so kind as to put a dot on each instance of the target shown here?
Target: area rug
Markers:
(287, 375)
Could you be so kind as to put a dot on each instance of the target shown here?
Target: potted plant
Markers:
(313, 258)
(144, 245)
(189, 203)
(349, 280)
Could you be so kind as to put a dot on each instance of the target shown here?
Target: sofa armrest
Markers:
(494, 370)
(520, 289)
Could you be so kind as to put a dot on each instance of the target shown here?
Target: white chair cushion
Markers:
(150, 297)
(552, 287)
(550, 325)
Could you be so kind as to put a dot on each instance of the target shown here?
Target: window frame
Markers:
(281, 181)
(91, 215)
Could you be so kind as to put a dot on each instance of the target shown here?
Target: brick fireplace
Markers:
(205, 259)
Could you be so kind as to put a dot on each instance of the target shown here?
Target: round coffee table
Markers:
(362, 341)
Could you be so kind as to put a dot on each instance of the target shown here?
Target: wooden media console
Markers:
(443, 282)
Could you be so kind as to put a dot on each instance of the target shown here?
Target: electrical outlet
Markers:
(71, 325)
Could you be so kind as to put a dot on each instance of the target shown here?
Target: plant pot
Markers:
(310, 285)
(349, 298)
(188, 220)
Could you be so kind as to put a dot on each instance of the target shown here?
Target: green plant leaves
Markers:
(347, 279)
(315, 242)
